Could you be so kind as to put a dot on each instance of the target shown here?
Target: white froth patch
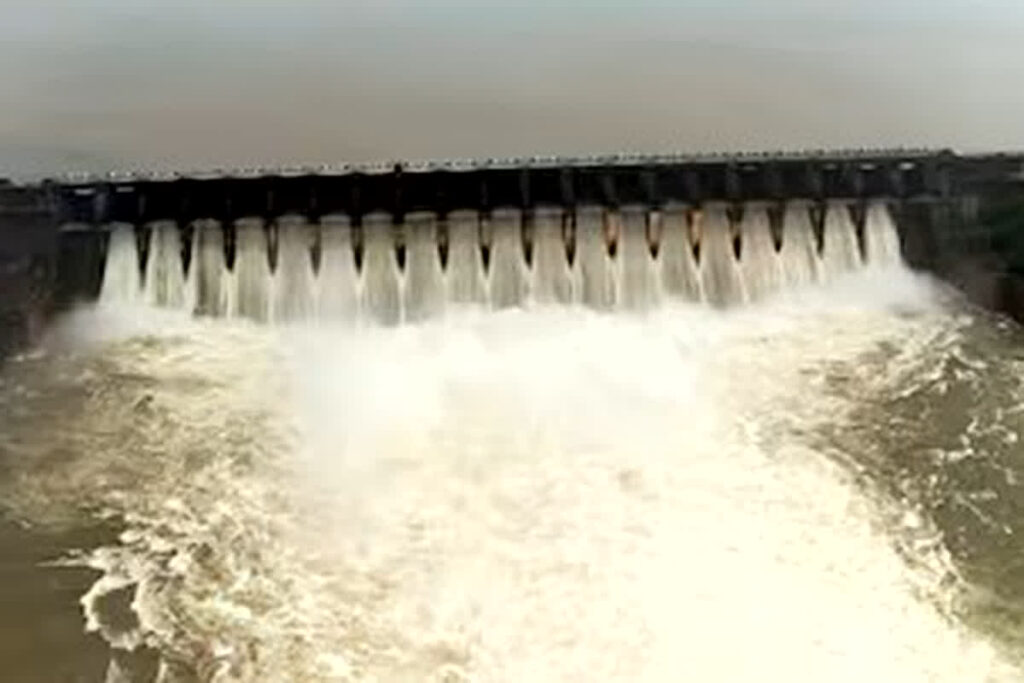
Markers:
(551, 495)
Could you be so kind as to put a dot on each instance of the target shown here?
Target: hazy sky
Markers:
(199, 83)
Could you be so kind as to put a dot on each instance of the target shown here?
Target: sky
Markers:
(104, 85)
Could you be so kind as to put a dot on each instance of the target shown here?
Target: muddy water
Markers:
(822, 486)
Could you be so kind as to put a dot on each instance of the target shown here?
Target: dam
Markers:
(399, 242)
(709, 418)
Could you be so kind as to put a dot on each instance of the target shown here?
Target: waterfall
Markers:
(381, 295)
(840, 252)
(338, 285)
(552, 274)
(799, 253)
(294, 279)
(121, 282)
(762, 268)
(679, 274)
(509, 276)
(424, 278)
(720, 274)
(638, 279)
(465, 279)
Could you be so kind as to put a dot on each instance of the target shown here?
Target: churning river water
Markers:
(824, 486)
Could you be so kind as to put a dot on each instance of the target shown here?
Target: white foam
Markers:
(556, 496)
(544, 495)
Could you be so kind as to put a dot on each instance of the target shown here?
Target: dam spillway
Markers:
(403, 242)
(629, 259)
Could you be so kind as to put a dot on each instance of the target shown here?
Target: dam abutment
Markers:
(29, 259)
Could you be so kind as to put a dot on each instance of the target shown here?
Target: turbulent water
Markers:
(822, 485)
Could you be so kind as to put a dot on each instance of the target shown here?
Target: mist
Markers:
(113, 84)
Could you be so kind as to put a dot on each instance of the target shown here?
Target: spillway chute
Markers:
(122, 282)
(211, 282)
(509, 273)
(338, 283)
(881, 239)
(799, 252)
(465, 277)
(596, 269)
(252, 275)
(639, 286)
(840, 250)
(294, 278)
(425, 290)
(553, 276)
(680, 276)
(721, 277)
(164, 281)
(761, 266)
(382, 281)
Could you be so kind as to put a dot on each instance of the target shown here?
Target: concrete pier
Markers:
(28, 264)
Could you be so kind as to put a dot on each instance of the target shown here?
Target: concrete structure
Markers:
(960, 216)
(28, 251)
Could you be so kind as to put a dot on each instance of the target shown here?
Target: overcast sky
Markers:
(184, 84)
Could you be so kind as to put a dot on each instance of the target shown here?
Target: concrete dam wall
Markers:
(28, 264)
(401, 242)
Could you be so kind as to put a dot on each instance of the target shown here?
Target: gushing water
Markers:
(639, 286)
(425, 291)
(597, 274)
(882, 242)
(630, 259)
(209, 273)
(762, 269)
(339, 284)
(840, 252)
(252, 271)
(382, 297)
(121, 281)
(509, 274)
(799, 253)
(679, 272)
(466, 279)
(721, 278)
(294, 280)
(540, 493)
(165, 276)
(553, 277)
